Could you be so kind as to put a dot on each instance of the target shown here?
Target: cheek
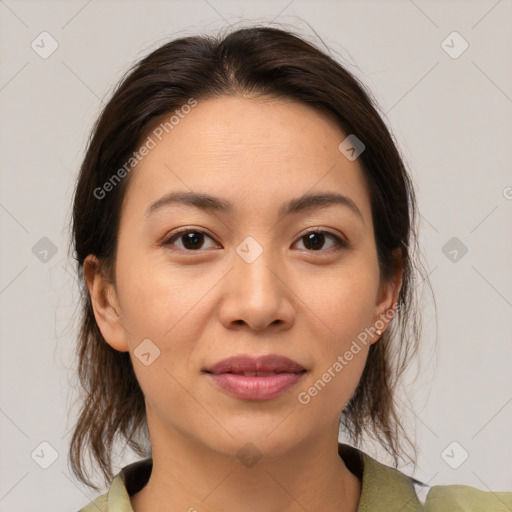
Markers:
(345, 301)
(157, 297)
(345, 306)
(339, 354)
(163, 305)
(171, 307)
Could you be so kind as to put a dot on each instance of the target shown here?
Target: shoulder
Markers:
(100, 504)
(387, 489)
(116, 498)
(464, 498)
(128, 481)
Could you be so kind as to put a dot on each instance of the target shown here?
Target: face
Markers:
(253, 271)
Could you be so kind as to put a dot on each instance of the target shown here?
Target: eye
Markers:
(191, 239)
(194, 239)
(315, 239)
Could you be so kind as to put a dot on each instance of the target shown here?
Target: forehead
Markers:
(251, 151)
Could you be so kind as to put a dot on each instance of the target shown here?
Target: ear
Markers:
(105, 304)
(387, 297)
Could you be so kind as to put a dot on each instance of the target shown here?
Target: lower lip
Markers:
(256, 388)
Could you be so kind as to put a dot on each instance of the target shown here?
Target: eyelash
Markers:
(341, 244)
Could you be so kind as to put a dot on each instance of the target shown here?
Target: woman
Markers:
(245, 229)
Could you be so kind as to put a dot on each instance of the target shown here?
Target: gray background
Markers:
(451, 117)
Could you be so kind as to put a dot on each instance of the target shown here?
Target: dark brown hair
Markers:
(254, 61)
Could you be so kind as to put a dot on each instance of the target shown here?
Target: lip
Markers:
(272, 376)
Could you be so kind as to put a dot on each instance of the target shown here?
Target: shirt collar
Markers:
(383, 488)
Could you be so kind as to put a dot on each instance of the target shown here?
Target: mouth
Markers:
(252, 366)
(255, 378)
(256, 373)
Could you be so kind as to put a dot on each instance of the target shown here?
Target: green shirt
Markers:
(384, 489)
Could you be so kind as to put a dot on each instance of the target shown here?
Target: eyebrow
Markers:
(207, 202)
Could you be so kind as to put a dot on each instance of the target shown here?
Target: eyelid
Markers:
(321, 229)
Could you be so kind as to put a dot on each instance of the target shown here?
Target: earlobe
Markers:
(105, 305)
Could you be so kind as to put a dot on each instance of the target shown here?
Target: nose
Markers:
(257, 294)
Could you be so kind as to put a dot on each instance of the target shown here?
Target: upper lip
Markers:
(246, 363)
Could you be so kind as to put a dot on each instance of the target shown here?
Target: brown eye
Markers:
(191, 240)
(315, 240)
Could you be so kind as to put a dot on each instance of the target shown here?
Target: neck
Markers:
(193, 477)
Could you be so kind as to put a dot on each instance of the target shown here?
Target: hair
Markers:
(255, 61)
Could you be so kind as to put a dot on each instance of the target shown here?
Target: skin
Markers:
(199, 306)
